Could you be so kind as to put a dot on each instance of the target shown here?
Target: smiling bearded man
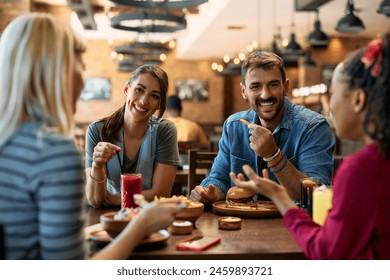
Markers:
(289, 141)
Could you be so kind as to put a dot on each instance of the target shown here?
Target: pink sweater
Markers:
(358, 225)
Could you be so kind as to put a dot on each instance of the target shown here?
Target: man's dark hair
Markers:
(174, 103)
(264, 60)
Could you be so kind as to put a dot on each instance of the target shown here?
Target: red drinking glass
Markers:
(131, 184)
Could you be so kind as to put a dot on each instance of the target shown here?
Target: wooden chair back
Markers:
(197, 161)
(184, 147)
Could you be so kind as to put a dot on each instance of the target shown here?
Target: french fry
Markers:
(244, 121)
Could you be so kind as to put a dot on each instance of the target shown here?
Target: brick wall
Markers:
(10, 9)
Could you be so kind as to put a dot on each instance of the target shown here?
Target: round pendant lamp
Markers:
(318, 38)
(384, 8)
(308, 61)
(350, 22)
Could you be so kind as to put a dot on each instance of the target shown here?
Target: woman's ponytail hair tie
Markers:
(373, 56)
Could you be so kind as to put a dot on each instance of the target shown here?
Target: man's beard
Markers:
(275, 112)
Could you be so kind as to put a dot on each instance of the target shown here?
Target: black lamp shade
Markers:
(293, 46)
(275, 49)
(318, 38)
(384, 8)
(350, 22)
(309, 62)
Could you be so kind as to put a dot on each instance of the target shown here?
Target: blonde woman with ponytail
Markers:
(42, 178)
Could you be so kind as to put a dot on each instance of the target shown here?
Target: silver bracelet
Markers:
(97, 181)
(273, 156)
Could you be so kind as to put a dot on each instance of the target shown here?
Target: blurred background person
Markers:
(41, 172)
(133, 140)
(357, 226)
(187, 130)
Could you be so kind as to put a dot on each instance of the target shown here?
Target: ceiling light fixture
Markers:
(143, 48)
(318, 38)
(255, 45)
(149, 22)
(384, 8)
(308, 61)
(276, 37)
(161, 5)
(293, 50)
(293, 46)
(137, 53)
(350, 22)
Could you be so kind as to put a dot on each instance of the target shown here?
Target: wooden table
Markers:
(257, 239)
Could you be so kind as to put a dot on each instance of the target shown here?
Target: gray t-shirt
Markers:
(162, 148)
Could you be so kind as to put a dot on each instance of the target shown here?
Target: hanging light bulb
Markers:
(172, 44)
(163, 57)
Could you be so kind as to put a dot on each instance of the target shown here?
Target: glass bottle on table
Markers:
(307, 186)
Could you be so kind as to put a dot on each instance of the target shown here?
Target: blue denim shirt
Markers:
(303, 135)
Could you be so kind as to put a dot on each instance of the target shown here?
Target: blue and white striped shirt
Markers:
(41, 195)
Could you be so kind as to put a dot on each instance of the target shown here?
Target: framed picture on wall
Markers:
(96, 88)
(192, 89)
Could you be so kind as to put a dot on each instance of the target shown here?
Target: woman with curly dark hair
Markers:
(358, 225)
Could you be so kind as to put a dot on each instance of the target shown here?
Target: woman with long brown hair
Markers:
(133, 140)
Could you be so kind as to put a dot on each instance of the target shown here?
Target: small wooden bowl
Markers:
(181, 227)
(112, 226)
(191, 213)
(229, 223)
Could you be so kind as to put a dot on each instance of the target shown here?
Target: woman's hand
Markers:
(158, 215)
(103, 152)
(264, 186)
(153, 217)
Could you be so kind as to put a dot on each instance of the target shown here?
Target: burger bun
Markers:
(239, 193)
